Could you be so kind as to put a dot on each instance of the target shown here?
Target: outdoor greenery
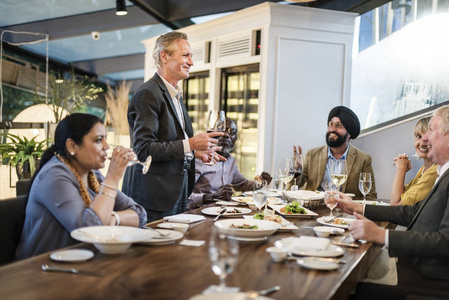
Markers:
(22, 152)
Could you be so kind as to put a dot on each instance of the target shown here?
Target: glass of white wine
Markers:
(330, 194)
(339, 172)
(286, 171)
(223, 254)
(365, 184)
(260, 196)
(216, 122)
(145, 165)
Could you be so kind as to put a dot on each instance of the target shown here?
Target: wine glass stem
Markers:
(331, 215)
(222, 286)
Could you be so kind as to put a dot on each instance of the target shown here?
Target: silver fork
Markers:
(158, 232)
(325, 219)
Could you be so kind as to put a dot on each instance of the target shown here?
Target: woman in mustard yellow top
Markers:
(418, 188)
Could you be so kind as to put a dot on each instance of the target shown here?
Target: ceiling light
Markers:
(121, 8)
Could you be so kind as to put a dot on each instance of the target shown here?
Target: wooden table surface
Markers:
(180, 272)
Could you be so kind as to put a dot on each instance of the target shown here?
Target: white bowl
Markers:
(277, 254)
(325, 231)
(265, 228)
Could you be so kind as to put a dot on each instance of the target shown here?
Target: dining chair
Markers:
(23, 187)
(12, 217)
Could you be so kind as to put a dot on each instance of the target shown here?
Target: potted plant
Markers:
(23, 154)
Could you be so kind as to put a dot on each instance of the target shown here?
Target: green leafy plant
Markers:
(20, 151)
(67, 94)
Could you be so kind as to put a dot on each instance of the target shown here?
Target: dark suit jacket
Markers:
(358, 162)
(155, 130)
(425, 244)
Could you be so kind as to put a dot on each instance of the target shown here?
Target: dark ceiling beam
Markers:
(356, 6)
(113, 64)
(77, 25)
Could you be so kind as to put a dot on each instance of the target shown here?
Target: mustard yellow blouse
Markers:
(418, 188)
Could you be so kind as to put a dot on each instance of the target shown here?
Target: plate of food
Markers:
(293, 210)
(248, 227)
(230, 211)
(286, 225)
(244, 200)
(337, 222)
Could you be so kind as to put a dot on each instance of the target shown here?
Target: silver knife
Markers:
(70, 270)
(352, 245)
(220, 213)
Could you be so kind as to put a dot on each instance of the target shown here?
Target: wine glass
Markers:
(260, 196)
(298, 164)
(216, 122)
(223, 253)
(146, 164)
(286, 171)
(330, 194)
(339, 172)
(365, 184)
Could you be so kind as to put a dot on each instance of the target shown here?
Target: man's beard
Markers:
(338, 142)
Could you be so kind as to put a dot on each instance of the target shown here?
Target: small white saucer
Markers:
(73, 255)
(317, 263)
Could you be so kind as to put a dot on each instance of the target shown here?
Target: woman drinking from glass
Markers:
(68, 191)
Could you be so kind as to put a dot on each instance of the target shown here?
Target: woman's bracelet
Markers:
(109, 186)
(107, 194)
(117, 218)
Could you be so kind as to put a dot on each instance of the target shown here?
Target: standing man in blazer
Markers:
(160, 126)
(423, 249)
(342, 125)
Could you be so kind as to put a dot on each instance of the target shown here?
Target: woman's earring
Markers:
(72, 153)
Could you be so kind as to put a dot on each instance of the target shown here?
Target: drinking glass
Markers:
(339, 172)
(330, 194)
(365, 184)
(216, 122)
(298, 164)
(223, 253)
(260, 196)
(286, 171)
(146, 164)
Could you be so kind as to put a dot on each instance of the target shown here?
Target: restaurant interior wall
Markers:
(305, 70)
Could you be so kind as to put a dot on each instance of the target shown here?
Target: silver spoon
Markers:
(255, 294)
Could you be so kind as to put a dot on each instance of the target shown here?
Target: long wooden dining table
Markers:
(180, 272)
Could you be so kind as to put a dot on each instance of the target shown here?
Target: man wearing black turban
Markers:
(342, 125)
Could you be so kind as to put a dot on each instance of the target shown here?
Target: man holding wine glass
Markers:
(219, 180)
(342, 125)
(160, 127)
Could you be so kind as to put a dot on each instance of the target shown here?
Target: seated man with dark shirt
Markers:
(219, 180)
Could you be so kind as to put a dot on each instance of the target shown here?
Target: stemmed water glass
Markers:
(216, 122)
(146, 164)
(365, 184)
(286, 171)
(260, 196)
(223, 253)
(339, 172)
(330, 194)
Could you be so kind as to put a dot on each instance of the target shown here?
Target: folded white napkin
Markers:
(184, 218)
(309, 243)
(192, 243)
(305, 195)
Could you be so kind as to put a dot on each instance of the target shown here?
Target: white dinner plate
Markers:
(227, 203)
(243, 200)
(265, 228)
(286, 225)
(308, 213)
(331, 251)
(171, 237)
(346, 220)
(371, 202)
(214, 211)
(315, 263)
(73, 255)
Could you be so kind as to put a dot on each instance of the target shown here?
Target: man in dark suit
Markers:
(423, 249)
(160, 126)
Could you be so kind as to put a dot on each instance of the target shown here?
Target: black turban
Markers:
(348, 118)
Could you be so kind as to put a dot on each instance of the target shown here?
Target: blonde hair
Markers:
(422, 125)
(166, 42)
(443, 112)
